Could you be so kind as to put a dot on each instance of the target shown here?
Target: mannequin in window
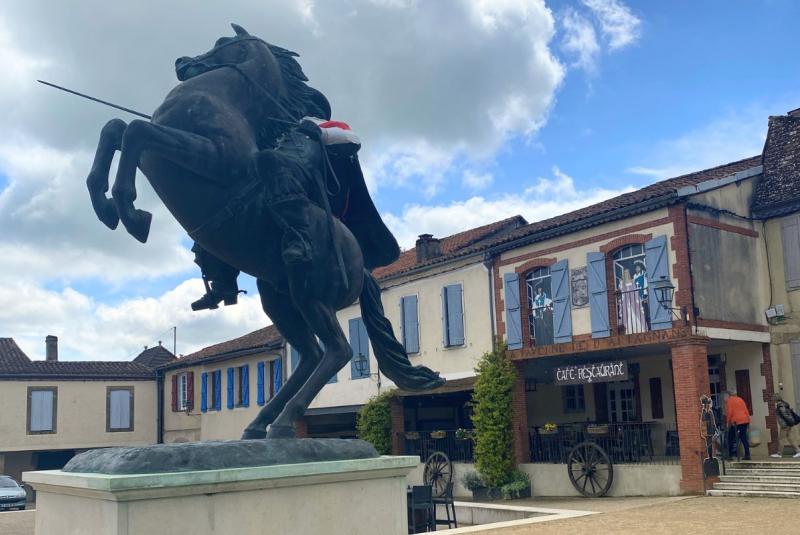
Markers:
(542, 317)
(631, 309)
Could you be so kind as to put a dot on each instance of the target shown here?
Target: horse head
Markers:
(227, 51)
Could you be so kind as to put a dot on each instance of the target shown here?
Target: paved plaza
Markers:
(683, 515)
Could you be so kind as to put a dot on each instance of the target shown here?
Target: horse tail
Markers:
(390, 354)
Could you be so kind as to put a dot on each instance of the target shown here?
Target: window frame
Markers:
(579, 396)
(404, 324)
(529, 336)
(214, 391)
(447, 342)
(54, 427)
(183, 391)
(130, 428)
(238, 391)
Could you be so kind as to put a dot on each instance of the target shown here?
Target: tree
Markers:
(375, 422)
(491, 417)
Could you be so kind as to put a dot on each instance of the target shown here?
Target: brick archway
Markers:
(617, 243)
(608, 250)
(522, 270)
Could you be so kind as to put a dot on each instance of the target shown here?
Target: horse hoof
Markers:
(109, 215)
(138, 225)
(281, 431)
(253, 434)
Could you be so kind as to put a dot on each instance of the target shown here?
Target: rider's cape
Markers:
(354, 206)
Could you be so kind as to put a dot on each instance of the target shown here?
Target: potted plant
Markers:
(518, 486)
(548, 429)
(463, 434)
(438, 434)
(480, 491)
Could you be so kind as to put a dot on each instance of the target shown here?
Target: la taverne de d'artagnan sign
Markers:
(599, 372)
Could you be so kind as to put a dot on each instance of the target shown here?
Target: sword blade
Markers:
(123, 108)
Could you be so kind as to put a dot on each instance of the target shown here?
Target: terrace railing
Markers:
(457, 444)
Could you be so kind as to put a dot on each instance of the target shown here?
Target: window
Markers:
(790, 229)
(630, 281)
(574, 400)
(359, 342)
(42, 405)
(119, 408)
(242, 386)
(216, 390)
(621, 401)
(183, 392)
(452, 315)
(540, 306)
(409, 318)
(656, 398)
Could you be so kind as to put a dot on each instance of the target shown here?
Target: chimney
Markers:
(51, 348)
(428, 248)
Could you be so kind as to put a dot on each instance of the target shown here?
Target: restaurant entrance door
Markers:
(621, 401)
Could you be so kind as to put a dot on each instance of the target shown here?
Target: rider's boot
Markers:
(293, 218)
(218, 291)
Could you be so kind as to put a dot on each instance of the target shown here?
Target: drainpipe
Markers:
(488, 262)
(160, 406)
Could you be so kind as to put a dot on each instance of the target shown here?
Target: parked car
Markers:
(12, 494)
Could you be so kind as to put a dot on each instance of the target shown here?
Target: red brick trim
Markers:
(705, 222)
(499, 305)
(587, 345)
(532, 264)
(681, 269)
(301, 429)
(722, 324)
(629, 239)
(587, 241)
(767, 393)
(519, 419)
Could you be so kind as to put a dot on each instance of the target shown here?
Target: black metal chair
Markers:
(449, 506)
(421, 500)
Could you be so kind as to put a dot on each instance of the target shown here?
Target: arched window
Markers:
(630, 282)
(540, 306)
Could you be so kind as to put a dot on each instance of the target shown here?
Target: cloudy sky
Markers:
(469, 112)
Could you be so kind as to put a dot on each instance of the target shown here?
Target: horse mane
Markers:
(295, 97)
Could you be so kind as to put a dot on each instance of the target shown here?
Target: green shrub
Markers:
(374, 422)
(471, 480)
(518, 483)
(491, 417)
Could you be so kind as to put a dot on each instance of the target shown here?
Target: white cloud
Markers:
(92, 331)
(547, 197)
(729, 138)
(617, 22)
(475, 180)
(579, 39)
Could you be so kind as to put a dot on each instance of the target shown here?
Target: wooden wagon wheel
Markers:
(438, 473)
(590, 469)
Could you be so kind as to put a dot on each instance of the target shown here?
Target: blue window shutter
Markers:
(230, 388)
(246, 385)
(260, 383)
(454, 315)
(278, 377)
(657, 263)
(562, 307)
(513, 314)
(204, 391)
(218, 390)
(363, 345)
(294, 357)
(598, 294)
(410, 320)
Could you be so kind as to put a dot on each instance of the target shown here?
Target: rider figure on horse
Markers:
(290, 198)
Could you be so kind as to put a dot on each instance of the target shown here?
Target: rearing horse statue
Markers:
(221, 151)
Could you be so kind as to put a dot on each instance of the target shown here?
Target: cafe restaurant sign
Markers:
(599, 372)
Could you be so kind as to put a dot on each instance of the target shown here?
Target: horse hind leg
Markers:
(293, 327)
(97, 181)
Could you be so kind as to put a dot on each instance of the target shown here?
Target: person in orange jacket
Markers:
(737, 416)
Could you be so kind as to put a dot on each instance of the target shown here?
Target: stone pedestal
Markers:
(363, 496)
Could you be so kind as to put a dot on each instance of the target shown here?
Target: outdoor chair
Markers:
(449, 506)
(421, 500)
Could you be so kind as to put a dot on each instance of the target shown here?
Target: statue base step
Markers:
(363, 496)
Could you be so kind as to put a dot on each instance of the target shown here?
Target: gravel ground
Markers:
(701, 515)
(17, 522)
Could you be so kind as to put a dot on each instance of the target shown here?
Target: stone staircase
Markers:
(759, 479)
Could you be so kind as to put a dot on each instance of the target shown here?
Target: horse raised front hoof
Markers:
(138, 225)
(107, 214)
(253, 434)
(281, 431)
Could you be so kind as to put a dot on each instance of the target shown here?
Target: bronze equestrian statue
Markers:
(253, 185)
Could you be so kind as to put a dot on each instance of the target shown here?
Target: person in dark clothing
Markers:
(787, 420)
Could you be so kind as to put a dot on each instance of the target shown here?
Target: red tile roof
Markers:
(451, 246)
(653, 191)
(266, 338)
(15, 364)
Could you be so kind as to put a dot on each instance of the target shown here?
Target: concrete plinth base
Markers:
(348, 497)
